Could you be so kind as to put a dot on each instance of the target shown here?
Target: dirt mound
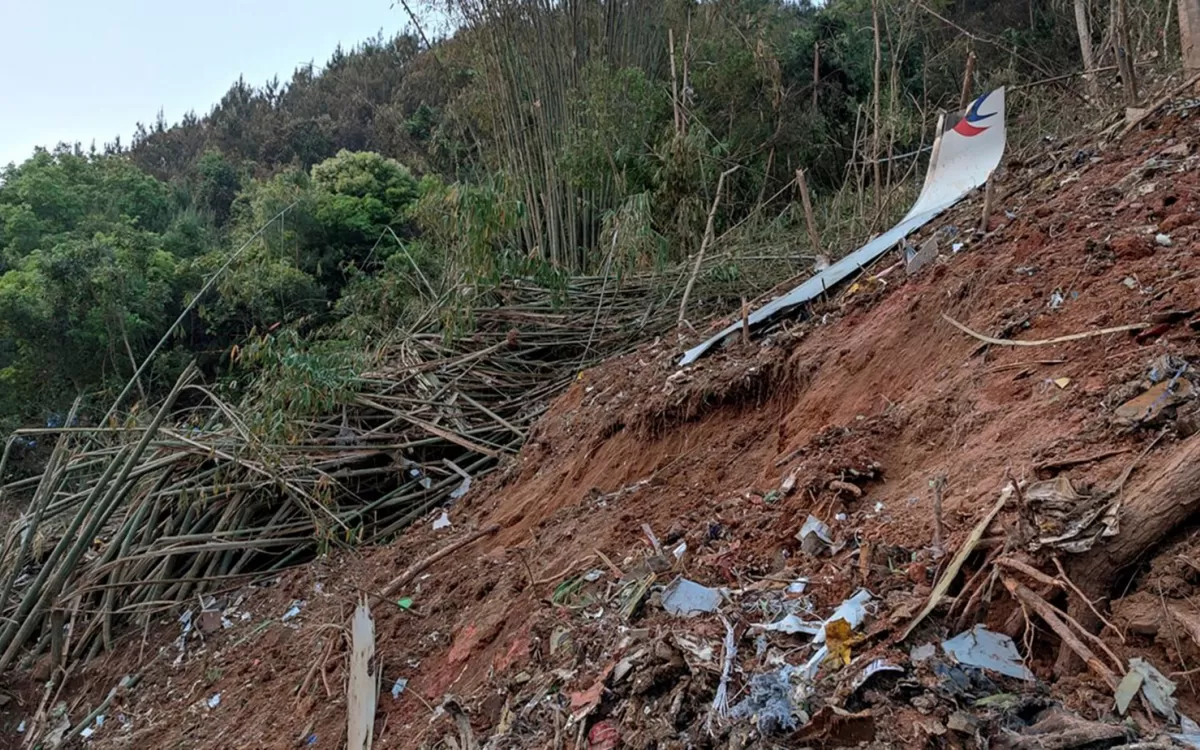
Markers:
(867, 416)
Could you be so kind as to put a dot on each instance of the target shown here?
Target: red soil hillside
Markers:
(551, 632)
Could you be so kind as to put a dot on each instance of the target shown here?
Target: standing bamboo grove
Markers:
(536, 56)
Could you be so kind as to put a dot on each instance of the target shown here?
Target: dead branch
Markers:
(968, 76)
(1166, 99)
(943, 584)
(939, 483)
(1043, 342)
(1091, 605)
(809, 221)
(1065, 463)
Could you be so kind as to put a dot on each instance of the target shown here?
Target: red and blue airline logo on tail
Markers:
(968, 126)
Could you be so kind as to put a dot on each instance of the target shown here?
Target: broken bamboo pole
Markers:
(875, 96)
(674, 82)
(1165, 99)
(988, 194)
(964, 98)
(816, 76)
(943, 585)
(415, 569)
(704, 243)
(1124, 60)
(809, 220)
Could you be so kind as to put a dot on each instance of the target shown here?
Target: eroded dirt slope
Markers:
(552, 632)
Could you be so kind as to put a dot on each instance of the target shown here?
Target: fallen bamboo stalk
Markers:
(41, 499)
(188, 311)
(1166, 98)
(415, 569)
(129, 682)
(1065, 463)
(207, 498)
(21, 624)
(704, 243)
(809, 221)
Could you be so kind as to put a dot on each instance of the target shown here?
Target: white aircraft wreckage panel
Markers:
(962, 160)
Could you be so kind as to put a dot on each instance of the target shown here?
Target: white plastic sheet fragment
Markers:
(963, 158)
(983, 648)
(814, 525)
(293, 611)
(816, 538)
(872, 669)
(398, 687)
(1131, 683)
(462, 489)
(791, 625)
(87, 732)
(921, 653)
(853, 611)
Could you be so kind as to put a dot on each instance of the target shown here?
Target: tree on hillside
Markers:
(334, 218)
(86, 282)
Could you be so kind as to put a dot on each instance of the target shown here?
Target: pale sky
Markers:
(81, 70)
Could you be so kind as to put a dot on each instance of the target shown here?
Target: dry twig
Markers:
(1043, 342)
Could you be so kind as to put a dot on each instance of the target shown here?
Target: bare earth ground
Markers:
(877, 391)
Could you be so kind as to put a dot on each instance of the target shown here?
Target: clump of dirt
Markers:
(876, 417)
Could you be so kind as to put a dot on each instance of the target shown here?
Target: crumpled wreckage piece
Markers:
(1067, 520)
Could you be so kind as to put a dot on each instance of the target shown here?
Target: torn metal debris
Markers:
(961, 162)
(980, 647)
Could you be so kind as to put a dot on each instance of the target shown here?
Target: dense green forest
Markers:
(539, 140)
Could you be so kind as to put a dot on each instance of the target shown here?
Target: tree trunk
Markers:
(1085, 46)
(1189, 35)
(1124, 53)
(1152, 510)
(816, 84)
